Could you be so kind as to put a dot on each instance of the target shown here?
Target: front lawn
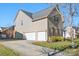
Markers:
(4, 51)
(54, 45)
(61, 46)
(72, 52)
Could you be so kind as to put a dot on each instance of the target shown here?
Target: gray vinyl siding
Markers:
(25, 23)
(55, 28)
(28, 26)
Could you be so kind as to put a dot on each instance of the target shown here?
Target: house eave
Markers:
(39, 19)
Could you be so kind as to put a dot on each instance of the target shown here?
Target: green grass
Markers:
(4, 51)
(60, 46)
(72, 52)
(54, 45)
(77, 41)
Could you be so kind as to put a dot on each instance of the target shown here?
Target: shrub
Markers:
(76, 41)
(68, 39)
(55, 38)
(77, 35)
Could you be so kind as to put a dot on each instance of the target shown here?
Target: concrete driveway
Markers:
(24, 47)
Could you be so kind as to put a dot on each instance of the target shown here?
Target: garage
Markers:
(41, 36)
(30, 36)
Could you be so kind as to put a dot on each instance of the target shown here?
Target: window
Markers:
(55, 18)
(21, 22)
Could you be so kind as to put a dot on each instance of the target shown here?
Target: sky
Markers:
(8, 11)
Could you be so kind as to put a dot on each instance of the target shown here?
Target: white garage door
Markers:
(30, 36)
(42, 36)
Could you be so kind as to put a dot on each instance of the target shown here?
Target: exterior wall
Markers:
(60, 25)
(27, 26)
(55, 25)
(51, 28)
(40, 25)
(70, 32)
(14, 32)
(22, 22)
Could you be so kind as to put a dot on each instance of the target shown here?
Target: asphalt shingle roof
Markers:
(40, 14)
(28, 13)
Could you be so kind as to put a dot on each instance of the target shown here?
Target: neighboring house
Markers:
(2, 32)
(69, 32)
(76, 31)
(40, 25)
(7, 32)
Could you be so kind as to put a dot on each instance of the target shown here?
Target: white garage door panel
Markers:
(30, 36)
(42, 36)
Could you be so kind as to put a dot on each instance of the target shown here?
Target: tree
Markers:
(70, 12)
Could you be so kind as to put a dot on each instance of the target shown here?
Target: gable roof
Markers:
(45, 13)
(27, 13)
(42, 14)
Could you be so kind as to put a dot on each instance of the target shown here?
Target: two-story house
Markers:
(40, 25)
